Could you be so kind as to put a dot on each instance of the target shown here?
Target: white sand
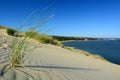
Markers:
(49, 62)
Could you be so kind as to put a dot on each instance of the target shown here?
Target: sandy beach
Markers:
(49, 62)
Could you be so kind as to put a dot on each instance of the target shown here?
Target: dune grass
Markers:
(21, 46)
(43, 38)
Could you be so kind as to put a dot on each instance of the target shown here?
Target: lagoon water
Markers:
(109, 49)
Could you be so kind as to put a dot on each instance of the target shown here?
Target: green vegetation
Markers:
(31, 34)
(21, 44)
(11, 31)
(19, 48)
(42, 38)
(48, 40)
(66, 38)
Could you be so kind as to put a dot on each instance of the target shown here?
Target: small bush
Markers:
(11, 31)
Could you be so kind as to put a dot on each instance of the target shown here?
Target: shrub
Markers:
(11, 31)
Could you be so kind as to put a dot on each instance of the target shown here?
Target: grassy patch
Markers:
(48, 40)
(42, 38)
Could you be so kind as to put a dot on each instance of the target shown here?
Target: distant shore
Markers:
(77, 40)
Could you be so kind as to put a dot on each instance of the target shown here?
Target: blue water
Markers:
(109, 49)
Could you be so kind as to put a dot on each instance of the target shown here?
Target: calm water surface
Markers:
(109, 49)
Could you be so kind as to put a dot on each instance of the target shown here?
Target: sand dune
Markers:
(49, 62)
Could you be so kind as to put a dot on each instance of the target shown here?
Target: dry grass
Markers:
(20, 47)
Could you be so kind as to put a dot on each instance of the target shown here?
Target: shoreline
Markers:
(87, 40)
(79, 51)
(105, 57)
(79, 40)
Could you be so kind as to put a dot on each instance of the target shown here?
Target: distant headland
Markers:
(72, 38)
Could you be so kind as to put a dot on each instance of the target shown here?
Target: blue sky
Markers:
(82, 18)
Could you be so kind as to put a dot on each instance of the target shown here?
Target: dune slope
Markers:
(49, 62)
